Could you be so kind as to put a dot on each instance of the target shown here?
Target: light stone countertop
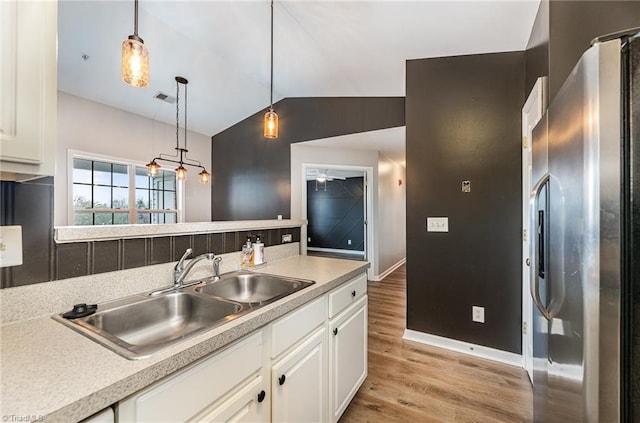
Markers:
(49, 370)
(63, 234)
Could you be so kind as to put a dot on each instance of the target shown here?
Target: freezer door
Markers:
(584, 241)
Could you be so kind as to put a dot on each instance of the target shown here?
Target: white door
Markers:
(531, 114)
(347, 356)
(298, 383)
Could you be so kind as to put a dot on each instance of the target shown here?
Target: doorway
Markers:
(336, 212)
(336, 243)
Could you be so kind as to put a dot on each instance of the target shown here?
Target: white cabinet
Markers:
(298, 383)
(304, 367)
(208, 385)
(105, 416)
(28, 87)
(347, 356)
(248, 405)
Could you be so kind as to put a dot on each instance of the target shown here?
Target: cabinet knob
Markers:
(335, 331)
(353, 293)
(281, 379)
(261, 396)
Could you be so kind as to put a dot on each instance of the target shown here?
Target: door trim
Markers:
(532, 112)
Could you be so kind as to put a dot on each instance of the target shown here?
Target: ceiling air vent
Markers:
(165, 97)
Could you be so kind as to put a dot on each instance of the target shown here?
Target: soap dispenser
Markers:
(247, 254)
(258, 251)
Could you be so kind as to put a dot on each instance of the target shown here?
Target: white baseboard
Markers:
(333, 250)
(390, 270)
(464, 347)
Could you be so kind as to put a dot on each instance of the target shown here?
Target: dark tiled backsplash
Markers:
(88, 258)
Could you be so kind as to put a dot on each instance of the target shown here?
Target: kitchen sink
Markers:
(138, 326)
(252, 288)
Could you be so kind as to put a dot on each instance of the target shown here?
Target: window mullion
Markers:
(132, 193)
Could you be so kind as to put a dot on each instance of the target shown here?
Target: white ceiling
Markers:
(322, 48)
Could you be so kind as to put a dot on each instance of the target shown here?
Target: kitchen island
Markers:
(50, 372)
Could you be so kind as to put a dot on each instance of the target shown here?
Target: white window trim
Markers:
(77, 154)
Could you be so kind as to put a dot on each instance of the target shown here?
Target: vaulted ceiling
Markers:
(322, 48)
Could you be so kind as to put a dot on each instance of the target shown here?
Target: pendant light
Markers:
(135, 57)
(181, 152)
(271, 118)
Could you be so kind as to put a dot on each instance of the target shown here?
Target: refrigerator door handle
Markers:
(537, 265)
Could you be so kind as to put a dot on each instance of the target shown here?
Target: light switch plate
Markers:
(10, 246)
(437, 224)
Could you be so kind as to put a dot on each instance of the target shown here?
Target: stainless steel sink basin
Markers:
(137, 326)
(253, 288)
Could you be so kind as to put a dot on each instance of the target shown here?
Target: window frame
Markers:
(131, 211)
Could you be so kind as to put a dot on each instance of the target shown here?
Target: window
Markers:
(106, 192)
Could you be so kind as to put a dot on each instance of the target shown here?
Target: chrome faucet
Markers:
(216, 268)
(180, 272)
(179, 267)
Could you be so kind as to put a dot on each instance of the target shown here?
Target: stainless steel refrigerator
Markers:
(585, 217)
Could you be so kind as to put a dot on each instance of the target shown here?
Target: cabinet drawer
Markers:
(292, 328)
(184, 395)
(349, 293)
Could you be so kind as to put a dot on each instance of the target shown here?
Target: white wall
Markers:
(302, 155)
(391, 214)
(93, 127)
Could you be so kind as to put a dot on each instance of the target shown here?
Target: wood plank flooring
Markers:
(412, 382)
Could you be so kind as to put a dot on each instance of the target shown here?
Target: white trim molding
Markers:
(500, 356)
(337, 251)
(390, 270)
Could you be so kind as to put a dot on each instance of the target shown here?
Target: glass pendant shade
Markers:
(181, 173)
(204, 177)
(271, 124)
(152, 169)
(135, 62)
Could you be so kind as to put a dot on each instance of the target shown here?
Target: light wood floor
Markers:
(411, 382)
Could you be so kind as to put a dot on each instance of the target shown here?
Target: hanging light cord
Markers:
(135, 18)
(185, 118)
(177, 115)
(271, 107)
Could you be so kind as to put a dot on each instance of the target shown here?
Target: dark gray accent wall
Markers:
(251, 176)
(572, 26)
(29, 204)
(336, 214)
(536, 57)
(463, 123)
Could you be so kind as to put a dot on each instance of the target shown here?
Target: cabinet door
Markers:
(248, 405)
(28, 86)
(347, 356)
(298, 383)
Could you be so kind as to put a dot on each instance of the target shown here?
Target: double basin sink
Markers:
(137, 326)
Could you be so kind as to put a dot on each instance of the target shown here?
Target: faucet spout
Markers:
(181, 275)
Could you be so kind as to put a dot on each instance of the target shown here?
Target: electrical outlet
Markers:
(308, 239)
(348, 242)
(477, 314)
(287, 238)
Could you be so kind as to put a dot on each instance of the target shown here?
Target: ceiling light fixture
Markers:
(181, 153)
(135, 57)
(271, 118)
